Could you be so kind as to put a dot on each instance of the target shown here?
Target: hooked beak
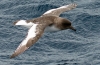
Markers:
(72, 28)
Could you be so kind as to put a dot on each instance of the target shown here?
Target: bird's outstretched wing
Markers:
(58, 11)
(33, 35)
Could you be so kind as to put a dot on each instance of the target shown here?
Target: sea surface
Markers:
(65, 47)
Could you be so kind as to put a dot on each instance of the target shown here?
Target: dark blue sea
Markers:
(65, 47)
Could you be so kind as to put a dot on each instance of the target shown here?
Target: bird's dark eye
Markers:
(66, 24)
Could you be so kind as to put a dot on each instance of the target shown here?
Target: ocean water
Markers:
(60, 48)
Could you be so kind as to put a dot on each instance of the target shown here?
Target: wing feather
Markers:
(58, 11)
(34, 34)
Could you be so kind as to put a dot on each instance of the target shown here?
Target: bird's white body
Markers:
(51, 29)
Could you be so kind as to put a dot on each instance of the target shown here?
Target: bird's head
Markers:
(66, 24)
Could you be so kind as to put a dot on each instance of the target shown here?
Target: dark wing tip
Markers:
(19, 51)
(12, 56)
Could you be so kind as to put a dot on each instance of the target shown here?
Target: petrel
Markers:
(49, 21)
